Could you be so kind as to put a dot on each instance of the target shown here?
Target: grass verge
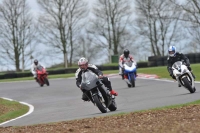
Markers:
(11, 109)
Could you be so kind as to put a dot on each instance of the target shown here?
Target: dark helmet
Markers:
(126, 53)
(35, 61)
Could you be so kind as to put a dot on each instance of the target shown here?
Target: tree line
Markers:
(103, 28)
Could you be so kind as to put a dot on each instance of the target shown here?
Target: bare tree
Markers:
(191, 17)
(16, 32)
(86, 47)
(157, 23)
(111, 23)
(61, 23)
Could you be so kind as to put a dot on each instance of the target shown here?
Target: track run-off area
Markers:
(61, 101)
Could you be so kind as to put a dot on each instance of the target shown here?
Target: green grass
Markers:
(11, 109)
(163, 73)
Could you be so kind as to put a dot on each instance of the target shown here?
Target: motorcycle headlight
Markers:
(178, 75)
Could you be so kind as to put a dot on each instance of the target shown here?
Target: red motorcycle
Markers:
(42, 76)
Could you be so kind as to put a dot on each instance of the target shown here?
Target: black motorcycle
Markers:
(97, 93)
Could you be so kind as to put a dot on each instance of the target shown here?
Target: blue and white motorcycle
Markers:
(130, 69)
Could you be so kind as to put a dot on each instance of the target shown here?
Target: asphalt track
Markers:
(61, 100)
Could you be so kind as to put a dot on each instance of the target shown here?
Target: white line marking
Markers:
(31, 109)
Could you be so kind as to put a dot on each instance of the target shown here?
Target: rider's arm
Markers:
(32, 68)
(78, 78)
(121, 61)
(131, 58)
(183, 57)
(94, 69)
(169, 66)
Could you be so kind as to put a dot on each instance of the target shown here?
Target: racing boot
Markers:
(179, 85)
(36, 79)
(112, 92)
(122, 76)
(85, 98)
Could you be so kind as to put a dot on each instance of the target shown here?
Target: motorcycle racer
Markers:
(176, 56)
(84, 66)
(34, 68)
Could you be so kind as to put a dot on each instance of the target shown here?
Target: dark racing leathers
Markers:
(178, 57)
(95, 70)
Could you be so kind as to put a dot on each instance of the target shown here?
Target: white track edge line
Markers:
(31, 109)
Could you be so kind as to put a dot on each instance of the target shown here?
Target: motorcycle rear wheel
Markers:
(99, 104)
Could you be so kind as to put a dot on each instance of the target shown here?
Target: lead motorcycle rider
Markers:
(83, 67)
(175, 56)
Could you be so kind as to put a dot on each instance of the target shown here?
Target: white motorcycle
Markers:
(183, 76)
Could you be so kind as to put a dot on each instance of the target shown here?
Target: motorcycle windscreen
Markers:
(177, 65)
(40, 70)
(129, 67)
(89, 80)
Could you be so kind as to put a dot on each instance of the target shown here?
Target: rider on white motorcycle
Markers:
(126, 57)
(84, 66)
(34, 68)
(175, 56)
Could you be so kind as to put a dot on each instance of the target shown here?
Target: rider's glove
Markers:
(100, 76)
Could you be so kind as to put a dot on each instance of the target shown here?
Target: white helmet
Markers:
(83, 63)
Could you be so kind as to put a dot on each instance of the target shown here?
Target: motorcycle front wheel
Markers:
(100, 104)
(132, 80)
(188, 85)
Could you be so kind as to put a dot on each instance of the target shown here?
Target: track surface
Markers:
(61, 100)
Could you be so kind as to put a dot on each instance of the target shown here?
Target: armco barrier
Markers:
(152, 61)
(191, 57)
(197, 57)
(63, 71)
(162, 61)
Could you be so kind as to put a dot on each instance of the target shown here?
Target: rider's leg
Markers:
(35, 77)
(84, 97)
(107, 83)
(190, 69)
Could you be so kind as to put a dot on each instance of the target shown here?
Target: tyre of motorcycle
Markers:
(105, 94)
(46, 81)
(41, 85)
(132, 77)
(188, 85)
(99, 104)
(109, 99)
(40, 82)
